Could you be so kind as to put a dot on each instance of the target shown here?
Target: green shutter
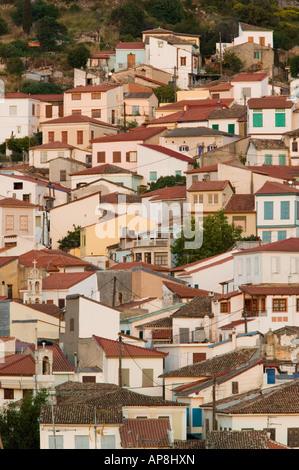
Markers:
(266, 236)
(284, 210)
(268, 159)
(215, 126)
(231, 128)
(257, 119)
(281, 235)
(281, 160)
(268, 210)
(153, 176)
(280, 119)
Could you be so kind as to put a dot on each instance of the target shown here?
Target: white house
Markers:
(18, 116)
(267, 152)
(277, 211)
(249, 33)
(249, 85)
(41, 155)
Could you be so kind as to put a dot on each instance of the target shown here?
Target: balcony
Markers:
(256, 313)
(153, 242)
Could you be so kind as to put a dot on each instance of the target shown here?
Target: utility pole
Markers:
(95, 428)
(245, 318)
(114, 291)
(245, 121)
(120, 380)
(175, 82)
(220, 47)
(272, 91)
(125, 118)
(214, 404)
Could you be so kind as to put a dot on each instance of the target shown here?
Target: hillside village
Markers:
(136, 350)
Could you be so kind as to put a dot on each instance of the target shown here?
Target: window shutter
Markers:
(196, 417)
(284, 210)
(268, 210)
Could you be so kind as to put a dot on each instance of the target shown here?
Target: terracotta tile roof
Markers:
(112, 198)
(235, 111)
(193, 114)
(165, 323)
(273, 144)
(169, 152)
(288, 245)
(136, 134)
(271, 289)
(172, 192)
(135, 303)
(221, 87)
(53, 145)
(111, 349)
(249, 77)
(250, 27)
(35, 180)
(240, 203)
(17, 364)
(49, 309)
(91, 88)
(271, 187)
(137, 264)
(102, 54)
(61, 281)
(204, 169)
(6, 260)
(54, 97)
(270, 102)
(130, 45)
(228, 295)
(233, 324)
(190, 444)
(14, 202)
(283, 172)
(218, 365)
(208, 186)
(165, 334)
(78, 119)
(17, 94)
(198, 131)
(204, 102)
(135, 88)
(246, 439)
(105, 169)
(198, 307)
(145, 433)
(72, 413)
(185, 291)
(150, 80)
(46, 259)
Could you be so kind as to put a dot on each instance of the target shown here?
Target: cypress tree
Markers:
(27, 17)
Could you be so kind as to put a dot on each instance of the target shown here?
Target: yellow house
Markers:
(240, 210)
(213, 195)
(9, 276)
(96, 238)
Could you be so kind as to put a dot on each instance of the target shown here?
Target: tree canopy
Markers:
(218, 235)
(77, 57)
(167, 181)
(71, 240)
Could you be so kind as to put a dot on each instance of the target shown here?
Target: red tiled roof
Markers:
(35, 180)
(204, 102)
(204, 169)
(17, 94)
(91, 88)
(169, 152)
(172, 192)
(228, 295)
(240, 203)
(192, 114)
(284, 172)
(271, 289)
(216, 263)
(53, 145)
(249, 77)
(151, 80)
(76, 119)
(111, 349)
(49, 309)
(60, 281)
(60, 362)
(138, 133)
(102, 54)
(233, 324)
(269, 102)
(145, 433)
(54, 97)
(130, 45)
(17, 364)
(288, 245)
(6, 259)
(208, 185)
(47, 259)
(14, 202)
(106, 168)
(184, 291)
(136, 303)
(138, 264)
(277, 188)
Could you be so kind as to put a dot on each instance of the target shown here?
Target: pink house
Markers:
(121, 149)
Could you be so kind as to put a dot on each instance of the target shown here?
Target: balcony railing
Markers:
(155, 242)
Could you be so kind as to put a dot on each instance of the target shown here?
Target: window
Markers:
(197, 198)
(101, 157)
(246, 92)
(184, 335)
(43, 157)
(268, 210)
(196, 417)
(240, 221)
(76, 111)
(79, 137)
(72, 324)
(38, 221)
(183, 61)
(225, 307)
(148, 257)
(256, 55)
(153, 175)
(282, 159)
(281, 235)
(113, 116)
(284, 210)
(215, 126)
(198, 357)
(213, 198)
(297, 305)
(293, 437)
(56, 442)
(135, 110)
(231, 128)
(95, 113)
(17, 186)
(49, 112)
(64, 137)
(76, 96)
(147, 377)
(266, 236)
(235, 388)
(257, 118)
(125, 377)
(108, 442)
(116, 157)
(24, 222)
(294, 146)
(33, 109)
(268, 159)
(279, 305)
(131, 156)
(161, 259)
(9, 222)
(178, 173)
(88, 379)
(280, 118)
(12, 110)
(9, 394)
(51, 136)
(250, 38)
(81, 442)
(96, 95)
(262, 40)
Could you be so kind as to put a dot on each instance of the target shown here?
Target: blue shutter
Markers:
(187, 148)
(270, 376)
(281, 235)
(187, 416)
(196, 417)
(199, 150)
(180, 149)
(268, 210)
(266, 236)
(284, 210)
(281, 159)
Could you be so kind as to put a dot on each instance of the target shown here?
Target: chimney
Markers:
(3, 289)
(75, 359)
(234, 340)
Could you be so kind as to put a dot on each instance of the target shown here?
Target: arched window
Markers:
(37, 287)
(46, 366)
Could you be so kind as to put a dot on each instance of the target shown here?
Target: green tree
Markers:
(78, 56)
(27, 17)
(165, 93)
(294, 66)
(48, 32)
(17, 146)
(3, 27)
(167, 181)
(217, 237)
(19, 427)
(15, 66)
(168, 11)
(130, 19)
(31, 87)
(71, 240)
(231, 63)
